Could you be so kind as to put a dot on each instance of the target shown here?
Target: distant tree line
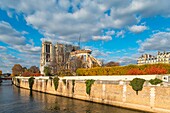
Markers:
(18, 70)
(111, 64)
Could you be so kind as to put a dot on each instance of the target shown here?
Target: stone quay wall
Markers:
(110, 92)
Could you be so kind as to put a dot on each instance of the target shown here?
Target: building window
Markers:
(47, 48)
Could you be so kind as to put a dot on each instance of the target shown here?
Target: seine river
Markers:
(15, 100)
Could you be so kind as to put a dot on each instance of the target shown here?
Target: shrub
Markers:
(135, 71)
(155, 81)
(31, 82)
(155, 70)
(137, 84)
(63, 73)
(126, 70)
(56, 82)
(88, 85)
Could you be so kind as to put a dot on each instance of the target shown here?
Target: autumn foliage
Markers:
(18, 70)
(28, 74)
(156, 70)
(36, 74)
(135, 71)
(126, 70)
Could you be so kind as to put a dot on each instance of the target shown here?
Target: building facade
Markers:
(55, 56)
(83, 58)
(65, 57)
(163, 57)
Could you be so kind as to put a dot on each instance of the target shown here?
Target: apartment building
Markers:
(163, 57)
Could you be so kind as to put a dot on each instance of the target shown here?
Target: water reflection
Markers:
(15, 100)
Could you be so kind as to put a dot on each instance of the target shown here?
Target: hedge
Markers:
(126, 70)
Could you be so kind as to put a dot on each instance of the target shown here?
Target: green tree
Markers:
(47, 71)
(137, 84)
(31, 82)
(155, 81)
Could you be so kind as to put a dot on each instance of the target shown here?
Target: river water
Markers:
(16, 100)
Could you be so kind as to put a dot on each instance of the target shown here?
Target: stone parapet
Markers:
(150, 99)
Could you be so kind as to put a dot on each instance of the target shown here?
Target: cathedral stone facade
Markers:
(65, 57)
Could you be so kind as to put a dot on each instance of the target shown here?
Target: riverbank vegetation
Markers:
(126, 70)
(137, 83)
(56, 82)
(155, 81)
(89, 83)
(31, 82)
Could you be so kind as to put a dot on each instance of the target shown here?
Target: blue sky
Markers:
(115, 30)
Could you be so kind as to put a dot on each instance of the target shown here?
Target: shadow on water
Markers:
(31, 97)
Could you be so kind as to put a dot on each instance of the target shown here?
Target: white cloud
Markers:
(2, 48)
(87, 17)
(112, 32)
(30, 60)
(107, 56)
(127, 60)
(98, 53)
(24, 32)
(27, 48)
(139, 41)
(104, 38)
(159, 42)
(16, 41)
(137, 29)
(9, 35)
(120, 34)
(25, 59)
(7, 61)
